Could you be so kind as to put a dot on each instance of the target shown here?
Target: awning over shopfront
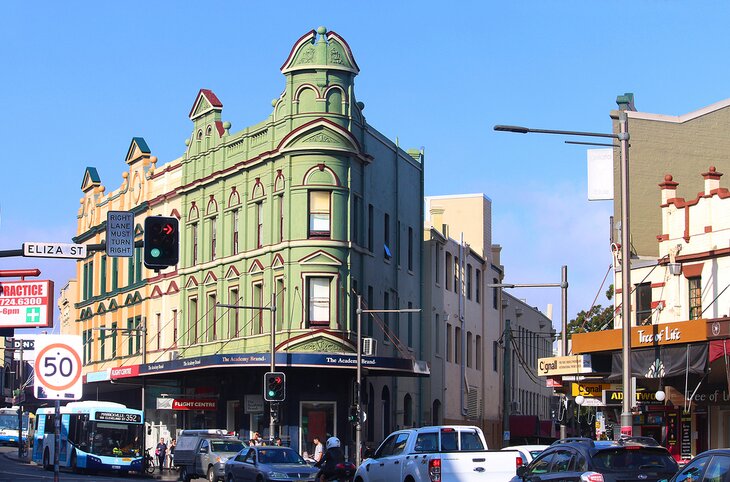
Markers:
(375, 365)
(663, 361)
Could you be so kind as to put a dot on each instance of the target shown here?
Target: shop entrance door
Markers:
(316, 419)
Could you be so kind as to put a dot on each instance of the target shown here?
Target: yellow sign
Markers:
(590, 389)
(564, 365)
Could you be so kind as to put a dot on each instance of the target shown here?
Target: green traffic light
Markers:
(271, 393)
(155, 252)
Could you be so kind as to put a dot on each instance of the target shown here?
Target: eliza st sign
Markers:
(54, 250)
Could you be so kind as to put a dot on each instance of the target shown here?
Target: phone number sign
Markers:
(26, 304)
(57, 368)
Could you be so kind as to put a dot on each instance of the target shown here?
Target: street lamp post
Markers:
(358, 376)
(563, 285)
(623, 138)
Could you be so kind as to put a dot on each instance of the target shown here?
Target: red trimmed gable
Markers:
(209, 96)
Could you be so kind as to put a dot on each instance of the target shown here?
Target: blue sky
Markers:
(80, 79)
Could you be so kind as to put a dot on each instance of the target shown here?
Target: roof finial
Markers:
(321, 31)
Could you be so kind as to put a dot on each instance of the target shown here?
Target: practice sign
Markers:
(26, 304)
(57, 367)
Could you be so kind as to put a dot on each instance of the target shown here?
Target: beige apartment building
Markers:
(661, 144)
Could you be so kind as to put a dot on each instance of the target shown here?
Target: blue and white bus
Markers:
(9, 426)
(94, 436)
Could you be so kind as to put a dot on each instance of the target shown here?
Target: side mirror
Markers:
(368, 453)
(521, 470)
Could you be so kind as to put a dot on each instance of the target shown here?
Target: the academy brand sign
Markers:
(564, 365)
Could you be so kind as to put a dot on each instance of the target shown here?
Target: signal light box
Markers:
(161, 242)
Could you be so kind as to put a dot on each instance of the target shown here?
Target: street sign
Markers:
(36, 249)
(57, 368)
(26, 304)
(24, 344)
(120, 234)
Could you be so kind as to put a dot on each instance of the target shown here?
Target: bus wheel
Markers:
(46, 458)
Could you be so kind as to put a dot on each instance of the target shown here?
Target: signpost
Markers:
(120, 234)
(38, 249)
(57, 371)
(26, 304)
(57, 367)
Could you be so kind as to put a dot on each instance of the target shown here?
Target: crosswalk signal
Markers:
(354, 417)
(161, 242)
(274, 386)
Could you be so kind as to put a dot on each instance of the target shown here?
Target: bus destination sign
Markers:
(119, 417)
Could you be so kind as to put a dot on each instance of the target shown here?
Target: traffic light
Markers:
(354, 416)
(161, 242)
(274, 387)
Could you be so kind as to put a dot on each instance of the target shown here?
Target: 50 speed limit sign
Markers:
(57, 367)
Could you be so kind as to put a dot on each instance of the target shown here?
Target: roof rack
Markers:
(637, 439)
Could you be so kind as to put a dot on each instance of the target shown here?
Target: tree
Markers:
(595, 319)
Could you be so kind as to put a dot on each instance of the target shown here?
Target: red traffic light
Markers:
(168, 229)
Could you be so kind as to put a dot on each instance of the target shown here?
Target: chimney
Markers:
(712, 180)
(669, 189)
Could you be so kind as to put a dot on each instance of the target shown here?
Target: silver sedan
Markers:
(269, 464)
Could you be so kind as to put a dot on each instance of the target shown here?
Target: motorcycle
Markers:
(344, 472)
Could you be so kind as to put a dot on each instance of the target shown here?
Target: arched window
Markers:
(407, 410)
(436, 412)
(385, 404)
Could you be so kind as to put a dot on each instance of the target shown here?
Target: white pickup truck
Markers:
(434, 454)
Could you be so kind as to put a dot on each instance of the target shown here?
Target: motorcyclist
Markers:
(333, 456)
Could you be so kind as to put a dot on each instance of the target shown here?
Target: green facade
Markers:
(317, 195)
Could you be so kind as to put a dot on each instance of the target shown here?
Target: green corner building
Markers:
(302, 212)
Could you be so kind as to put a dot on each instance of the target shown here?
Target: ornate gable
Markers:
(256, 267)
(205, 102)
(232, 273)
(156, 292)
(210, 278)
(320, 341)
(320, 257)
(91, 179)
(138, 149)
(320, 49)
(191, 283)
(320, 134)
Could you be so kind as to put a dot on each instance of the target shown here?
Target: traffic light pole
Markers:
(272, 349)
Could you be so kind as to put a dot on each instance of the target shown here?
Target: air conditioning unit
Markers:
(173, 354)
(369, 346)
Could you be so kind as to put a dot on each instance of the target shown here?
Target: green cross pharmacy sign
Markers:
(26, 304)
(32, 315)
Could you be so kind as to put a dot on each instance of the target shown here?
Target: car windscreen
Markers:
(280, 456)
(631, 459)
(225, 446)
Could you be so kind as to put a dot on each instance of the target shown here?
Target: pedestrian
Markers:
(318, 449)
(161, 452)
(277, 441)
(171, 457)
(256, 440)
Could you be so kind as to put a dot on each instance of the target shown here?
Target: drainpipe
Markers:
(464, 410)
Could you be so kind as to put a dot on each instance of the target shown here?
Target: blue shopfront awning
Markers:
(375, 365)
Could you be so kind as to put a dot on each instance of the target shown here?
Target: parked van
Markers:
(203, 453)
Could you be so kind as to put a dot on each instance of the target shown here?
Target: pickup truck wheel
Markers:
(211, 474)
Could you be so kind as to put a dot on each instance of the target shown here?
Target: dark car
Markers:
(268, 463)
(710, 466)
(585, 460)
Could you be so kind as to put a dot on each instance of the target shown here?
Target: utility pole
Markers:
(506, 380)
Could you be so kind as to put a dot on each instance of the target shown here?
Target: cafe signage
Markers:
(564, 365)
(590, 389)
(615, 397)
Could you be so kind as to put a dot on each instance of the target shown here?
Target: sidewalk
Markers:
(166, 475)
